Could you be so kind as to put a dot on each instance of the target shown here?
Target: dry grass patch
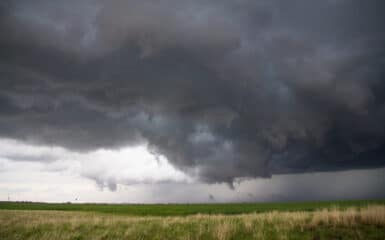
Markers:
(374, 215)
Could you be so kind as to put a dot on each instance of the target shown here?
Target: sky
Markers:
(192, 101)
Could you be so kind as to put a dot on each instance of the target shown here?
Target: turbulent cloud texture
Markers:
(223, 89)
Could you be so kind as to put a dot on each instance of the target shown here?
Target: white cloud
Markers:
(108, 168)
(127, 166)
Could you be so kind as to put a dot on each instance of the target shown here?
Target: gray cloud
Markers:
(223, 89)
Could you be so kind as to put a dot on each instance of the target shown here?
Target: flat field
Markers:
(310, 220)
(189, 209)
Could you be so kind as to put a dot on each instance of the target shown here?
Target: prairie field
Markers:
(342, 221)
(189, 209)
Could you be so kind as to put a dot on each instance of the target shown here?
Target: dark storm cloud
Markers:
(223, 89)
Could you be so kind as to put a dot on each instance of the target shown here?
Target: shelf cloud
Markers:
(223, 90)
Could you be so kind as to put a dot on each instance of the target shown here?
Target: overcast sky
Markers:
(192, 101)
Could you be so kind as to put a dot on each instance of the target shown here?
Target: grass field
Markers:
(312, 220)
(188, 209)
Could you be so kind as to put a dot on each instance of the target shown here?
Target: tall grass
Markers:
(352, 223)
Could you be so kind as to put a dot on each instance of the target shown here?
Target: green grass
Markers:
(365, 223)
(187, 209)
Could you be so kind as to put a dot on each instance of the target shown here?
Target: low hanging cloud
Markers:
(108, 168)
(222, 89)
